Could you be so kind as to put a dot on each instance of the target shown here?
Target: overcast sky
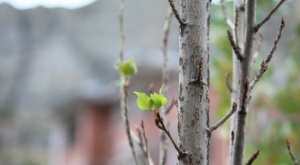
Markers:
(26, 4)
(71, 4)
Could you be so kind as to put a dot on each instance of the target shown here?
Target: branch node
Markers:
(182, 155)
(181, 22)
(160, 124)
(235, 47)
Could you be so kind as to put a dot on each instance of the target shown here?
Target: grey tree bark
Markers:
(240, 128)
(193, 101)
(239, 35)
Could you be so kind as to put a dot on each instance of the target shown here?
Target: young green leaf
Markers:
(154, 102)
(158, 100)
(128, 68)
(143, 101)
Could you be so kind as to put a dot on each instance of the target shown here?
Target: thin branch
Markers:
(225, 14)
(145, 150)
(253, 158)
(166, 31)
(124, 88)
(241, 117)
(234, 46)
(142, 143)
(122, 31)
(239, 36)
(264, 64)
(256, 28)
(236, 24)
(124, 107)
(239, 136)
(224, 119)
(293, 157)
(160, 124)
(270, 55)
(228, 85)
(163, 146)
(171, 106)
(164, 48)
(181, 22)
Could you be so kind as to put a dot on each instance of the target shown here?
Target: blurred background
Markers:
(59, 104)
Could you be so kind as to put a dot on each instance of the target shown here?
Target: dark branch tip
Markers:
(282, 22)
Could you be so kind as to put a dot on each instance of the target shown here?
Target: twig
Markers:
(256, 28)
(293, 157)
(228, 85)
(142, 145)
(164, 48)
(234, 46)
(124, 88)
(122, 31)
(165, 80)
(146, 151)
(227, 19)
(143, 139)
(176, 13)
(160, 124)
(170, 106)
(282, 24)
(124, 104)
(236, 24)
(224, 119)
(142, 142)
(166, 31)
(264, 64)
(253, 158)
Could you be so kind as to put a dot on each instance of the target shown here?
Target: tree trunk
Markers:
(193, 104)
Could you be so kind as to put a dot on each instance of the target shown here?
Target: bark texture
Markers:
(193, 101)
(239, 139)
(239, 35)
